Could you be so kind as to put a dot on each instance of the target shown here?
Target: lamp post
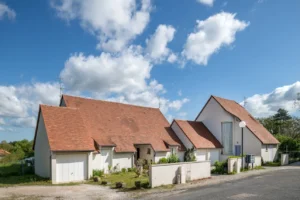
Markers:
(242, 124)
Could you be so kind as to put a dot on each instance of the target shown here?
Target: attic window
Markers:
(148, 151)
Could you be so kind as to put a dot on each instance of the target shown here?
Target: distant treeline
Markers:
(18, 150)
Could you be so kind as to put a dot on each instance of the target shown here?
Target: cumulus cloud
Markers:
(157, 43)
(107, 73)
(206, 2)
(113, 22)
(123, 77)
(264, 105)
(210, 35)
(19, 104)
(5, 11)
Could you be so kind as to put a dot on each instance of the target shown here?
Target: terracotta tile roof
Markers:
(109, 124)
(65, 129)
(3, 152)
(253, 125)
(198, 134)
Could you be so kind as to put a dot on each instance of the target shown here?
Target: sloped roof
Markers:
(65, 129)
(253, 125)
(198, 134)
(3, 152)
(109, 124)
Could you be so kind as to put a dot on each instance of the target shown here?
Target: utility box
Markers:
(250, 159)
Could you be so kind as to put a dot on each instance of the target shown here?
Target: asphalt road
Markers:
(283, 184)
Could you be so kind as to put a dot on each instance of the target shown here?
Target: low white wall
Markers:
(284, 159)
(165, 174)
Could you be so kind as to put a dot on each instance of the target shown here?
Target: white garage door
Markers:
(71, 167)
(214, 156)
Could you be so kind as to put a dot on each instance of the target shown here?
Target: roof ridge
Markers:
(127, 104)
(62, 107)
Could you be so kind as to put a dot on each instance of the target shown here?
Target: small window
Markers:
(266, 148)
(149, 151)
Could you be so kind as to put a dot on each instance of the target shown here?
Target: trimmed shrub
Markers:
(189, 155)
(163, 160)
(173, 158)
(130, 169)
(123, 170)
(99, 173)
(220, 167)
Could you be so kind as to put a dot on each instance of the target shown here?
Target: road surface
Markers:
(283, 184)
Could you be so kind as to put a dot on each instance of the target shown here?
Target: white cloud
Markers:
(263, 105)
(172, 58)
(2, 122)
(113, 22)
(210, 35)
(6, 11)
(177, 104)
(157, 43)
(207, 2)
(19, 104)
(107, 73)
(131, 84)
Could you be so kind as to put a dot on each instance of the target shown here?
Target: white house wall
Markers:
(42, 151)
(97, 161)
(144, 152)
(186, 142)
(213, 115)
(161, 154)
(123, 160)
(269, 154)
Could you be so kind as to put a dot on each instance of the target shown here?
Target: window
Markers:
(148, 151)
(227, 137)
(172, 151)
(266, 148)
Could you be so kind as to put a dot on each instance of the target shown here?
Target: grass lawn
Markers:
(128, 178)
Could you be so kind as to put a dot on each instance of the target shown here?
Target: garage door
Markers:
(214, 156)
(71, 167)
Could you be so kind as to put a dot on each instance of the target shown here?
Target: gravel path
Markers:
(83, 191)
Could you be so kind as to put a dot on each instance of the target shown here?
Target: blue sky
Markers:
(147, 53)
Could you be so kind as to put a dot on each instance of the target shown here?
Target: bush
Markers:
(163, 160)
(99, 173)
(189, 155)
(130, 169)
(220, 167)
(123, 170)
(173, 158)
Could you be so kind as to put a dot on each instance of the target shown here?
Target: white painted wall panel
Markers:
(200, 155)
(186, 142)
(96, 163)
(269, 154)
(42, 151)
(123, 160)
(165, 174)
